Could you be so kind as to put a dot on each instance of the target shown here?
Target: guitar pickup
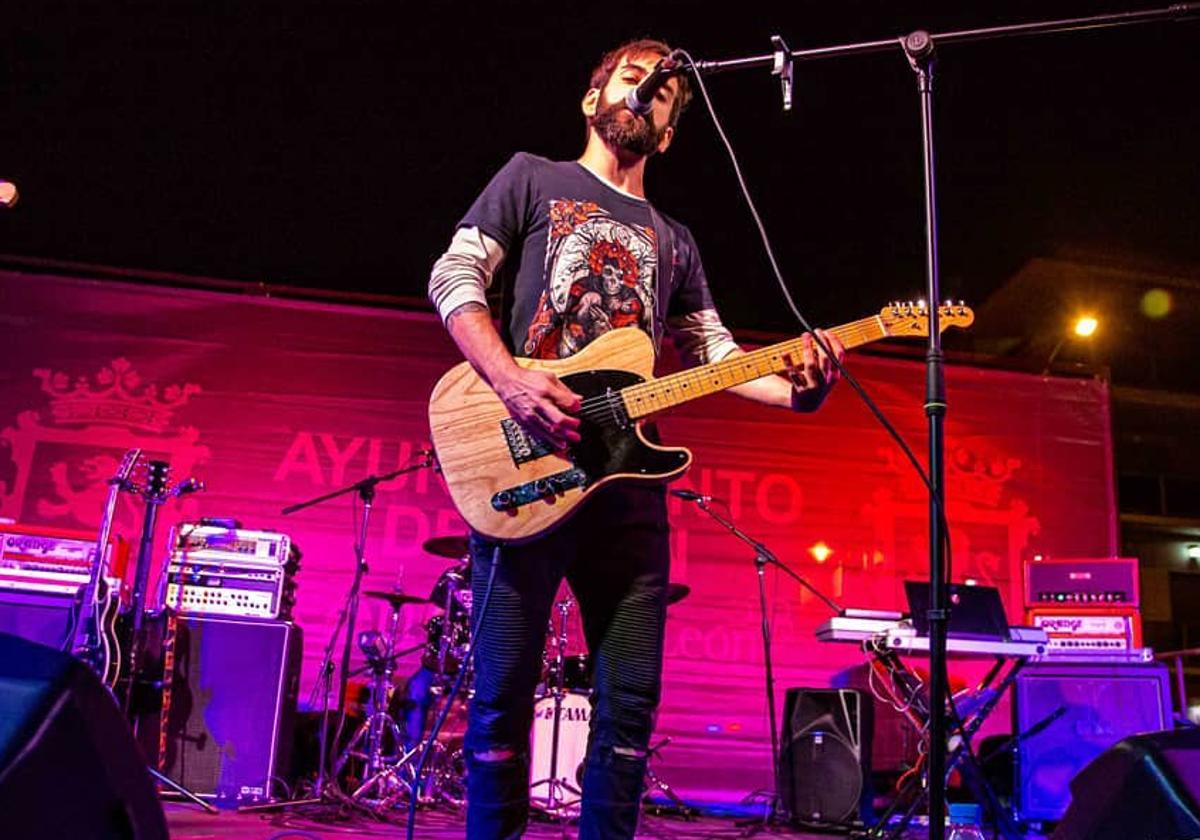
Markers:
(532, 491)
(522, 445)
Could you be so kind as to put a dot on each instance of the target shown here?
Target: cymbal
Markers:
(396, 599)
(452, 546)
(676, 592)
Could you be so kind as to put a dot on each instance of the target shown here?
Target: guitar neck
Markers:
(88, 597)
(677, 388)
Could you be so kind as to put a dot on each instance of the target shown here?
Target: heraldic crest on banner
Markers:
(60, 455)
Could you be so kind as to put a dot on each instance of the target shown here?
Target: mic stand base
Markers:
(162, 779)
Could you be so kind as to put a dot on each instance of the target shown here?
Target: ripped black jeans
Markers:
(615, 554)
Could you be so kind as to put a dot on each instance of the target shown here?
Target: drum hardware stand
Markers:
(653, 780)
(379, 723)
(918, 47)
(441, 687)
(554, 803)
(365, 488)
(446, 641)
(762, 557)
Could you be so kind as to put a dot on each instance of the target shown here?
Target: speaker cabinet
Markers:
(69, 766)
(1144, 788)
(894, 741)
(824, 755)
(41, 617)
(1068, 714)
(232, 716)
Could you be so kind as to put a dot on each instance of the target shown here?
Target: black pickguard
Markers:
(608, 447)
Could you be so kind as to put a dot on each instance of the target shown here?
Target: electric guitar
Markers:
(154, 493)
(95, 640)
(511, 486)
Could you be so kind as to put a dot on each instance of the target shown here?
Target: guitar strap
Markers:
(664, 279)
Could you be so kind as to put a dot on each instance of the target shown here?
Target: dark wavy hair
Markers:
(639, 47)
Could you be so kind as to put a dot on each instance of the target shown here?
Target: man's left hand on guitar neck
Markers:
(809, 378)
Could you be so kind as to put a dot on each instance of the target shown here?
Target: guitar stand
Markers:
(915, 704)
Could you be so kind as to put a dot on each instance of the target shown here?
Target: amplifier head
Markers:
(1088, 582)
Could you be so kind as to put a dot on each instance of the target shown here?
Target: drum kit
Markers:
(562, 708)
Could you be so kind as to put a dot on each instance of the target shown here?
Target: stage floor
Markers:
(190, 823)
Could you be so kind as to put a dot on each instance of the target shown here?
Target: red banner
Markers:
(271, 402)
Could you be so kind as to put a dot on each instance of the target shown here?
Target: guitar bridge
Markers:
(522, 445)
(532, 491)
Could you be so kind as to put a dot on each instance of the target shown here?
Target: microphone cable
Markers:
(892, 431)
(944, 525)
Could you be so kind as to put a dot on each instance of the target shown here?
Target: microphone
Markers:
(9, 194)
(692, 496)
(641, 99)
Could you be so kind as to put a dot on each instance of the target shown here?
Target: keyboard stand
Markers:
(909, 695)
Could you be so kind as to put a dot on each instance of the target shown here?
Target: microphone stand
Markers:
(365, 488)
(918, 48)
(762, 558)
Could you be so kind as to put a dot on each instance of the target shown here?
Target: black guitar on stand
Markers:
(94, 639)
(155, 490)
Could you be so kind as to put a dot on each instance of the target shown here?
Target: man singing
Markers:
(583, 252)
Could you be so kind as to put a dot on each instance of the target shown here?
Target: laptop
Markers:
(976, 612)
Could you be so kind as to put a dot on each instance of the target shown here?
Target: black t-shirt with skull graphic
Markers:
(581, 257)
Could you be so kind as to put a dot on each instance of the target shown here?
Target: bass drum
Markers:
(576, 674)
(558, 794)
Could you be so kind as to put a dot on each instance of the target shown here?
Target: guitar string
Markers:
(594, 408)
(598, 406)
(602, 408)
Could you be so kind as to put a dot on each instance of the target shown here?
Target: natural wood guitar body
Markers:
(509, 486)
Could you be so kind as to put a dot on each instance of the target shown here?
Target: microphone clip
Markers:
(782, 67)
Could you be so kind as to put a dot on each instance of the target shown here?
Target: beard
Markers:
(637, 135)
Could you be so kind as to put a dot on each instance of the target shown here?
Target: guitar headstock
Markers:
(155, 477)
(912, 318)
(125, 468)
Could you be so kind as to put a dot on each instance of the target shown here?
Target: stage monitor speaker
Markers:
(69, 766)
(824, 755)
(1144, 788)
(894, 741)
(1067, 714)
(233, 702)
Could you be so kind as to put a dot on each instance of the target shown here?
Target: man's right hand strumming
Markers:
(539, 401)
(536, 399)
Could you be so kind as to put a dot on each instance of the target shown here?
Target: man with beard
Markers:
(574, 230)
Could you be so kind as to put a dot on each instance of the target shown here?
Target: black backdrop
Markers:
(335, 144)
